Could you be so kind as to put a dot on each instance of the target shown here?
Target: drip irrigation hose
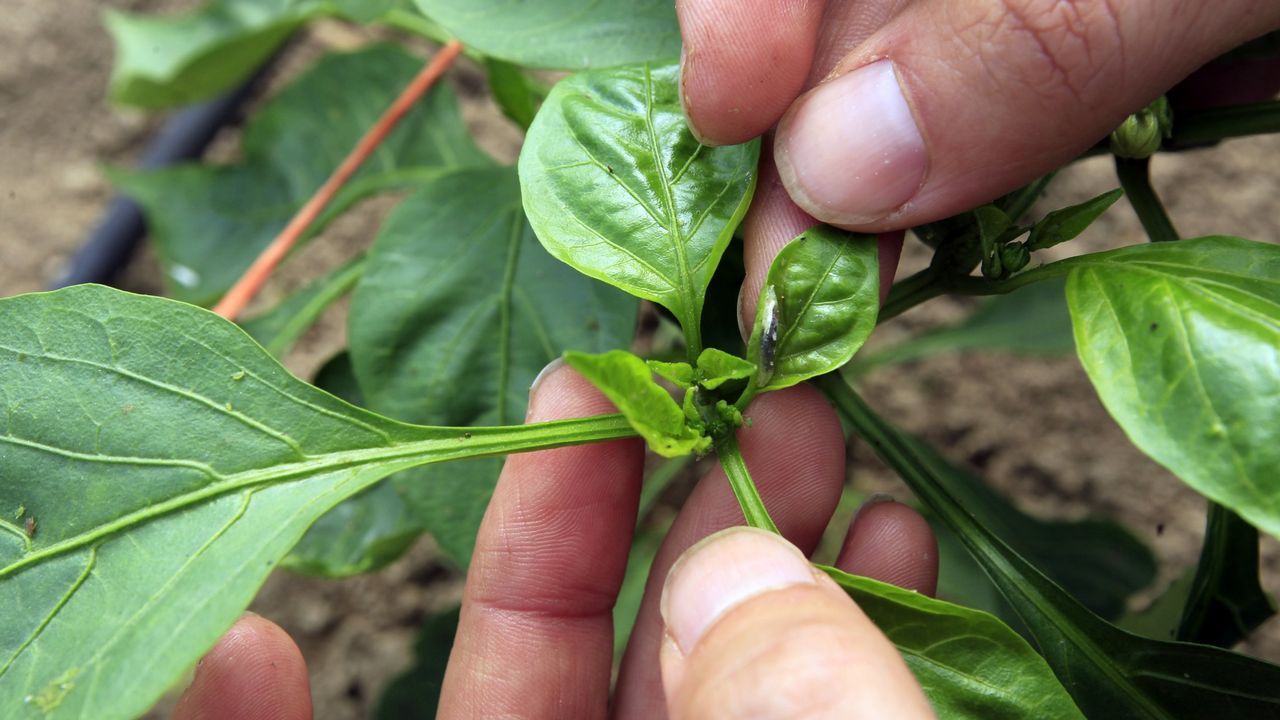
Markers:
(185, 136)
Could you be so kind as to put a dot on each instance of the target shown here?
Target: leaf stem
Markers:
(924, 285)
(744, 488)
(234, 302)
(1135, 179)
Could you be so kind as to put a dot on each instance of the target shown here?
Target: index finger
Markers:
(535, 637)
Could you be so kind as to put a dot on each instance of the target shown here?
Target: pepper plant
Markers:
(157, 462)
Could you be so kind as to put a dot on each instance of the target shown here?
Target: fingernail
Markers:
(543, 374)
(722, 572)
(851, 151)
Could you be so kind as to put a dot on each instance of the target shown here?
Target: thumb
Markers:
(950, 105)
(753, 630)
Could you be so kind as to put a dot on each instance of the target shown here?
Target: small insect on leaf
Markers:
(30, 527)
(22, 510)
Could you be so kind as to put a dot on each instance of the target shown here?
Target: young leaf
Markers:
(616, 186)
(1032, 320)
(170, 463)
(1066, 223)
(679, 374)
(969, 663)
(209, 223)
(1109, 672)
(820, 301)
(178, 60)
(627, 381)
(457, 312)
(281, 326)
(1182, 343)
(562, 34)
(719, 367)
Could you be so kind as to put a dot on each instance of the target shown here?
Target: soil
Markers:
(1033, 427)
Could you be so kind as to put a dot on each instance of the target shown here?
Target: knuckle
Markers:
(1073, 44)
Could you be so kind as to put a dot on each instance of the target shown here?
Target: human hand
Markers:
(741, 626)
(893, 113)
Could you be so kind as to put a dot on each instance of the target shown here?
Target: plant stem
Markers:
(658, 480)
(1212, 125)
(1135, 178)
(924, 285)
(744, 488)
(248, 285)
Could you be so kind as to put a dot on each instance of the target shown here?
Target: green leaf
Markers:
(457, 312)
(364, 532)
(1100, 563)
(415, 694)
(1067, 223)
(679, 374)
(209, 223)
(180, 59)
(280, 327)
(819, 306)
(719, 367)
(627, 381)
(170, 463)
(517, 94)
(1226, 601)
(1032, 320)
(969, 663)
(616, 186)
(1109, 672)
(563, 34)
(1182, 343)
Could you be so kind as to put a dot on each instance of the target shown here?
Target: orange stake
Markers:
(253, 279)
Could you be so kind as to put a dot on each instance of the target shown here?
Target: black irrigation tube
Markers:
(184, 136)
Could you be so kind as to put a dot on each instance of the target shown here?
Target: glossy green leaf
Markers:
(415, 694)
(969, 663)
(517, 94)
(166, 61)
(280, 327)
(209, 223)
(364, 532)
(719, 367)
(1067, 223)
(627, 381)
(616, 186)
(455, 315)
(563, 34)
(1033, 320)
(169, 462)
(1182, 343)
(819, 306)
(1109, 672)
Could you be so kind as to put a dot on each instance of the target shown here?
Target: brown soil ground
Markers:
(1032, 426)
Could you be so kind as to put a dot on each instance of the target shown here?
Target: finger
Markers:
(255, 672)
(950, 105)
(892, 543)
(795, 452)
(753, 631)
(775, 220)
(743, 63)
(535, 637)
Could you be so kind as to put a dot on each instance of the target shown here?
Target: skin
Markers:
(998, 92)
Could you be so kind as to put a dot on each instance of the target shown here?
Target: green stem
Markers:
(744, 488)
(1226, 602)
(1208, 126)
(1135, 178)
(692, 328)
(922, 286)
